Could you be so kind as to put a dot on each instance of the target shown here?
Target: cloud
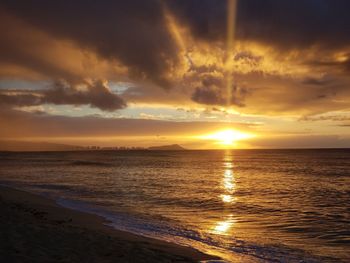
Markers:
(247, 57)
(322, 81)
(19, 124)
(340, 64)
(282, 24)
(275, 95)
(295, 24)
(212, 92)
(97, 94)
(208, 96)
(27, 53)
(8, 100)
(94, 93)
(132, 32)
(293, 56)
(335, 117)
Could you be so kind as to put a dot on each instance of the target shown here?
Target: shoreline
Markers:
(35, 228)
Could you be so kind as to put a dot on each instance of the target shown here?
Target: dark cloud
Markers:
(208, 96)
(132, 32)
(248, 57)
(30, 51)
(342, 66)
(136, 36)
(8, 100)
(136, 32)
(288, 34)
(96, 94)
(212, 92)
(325, 80)
(286, 24)
(295, 23)
(206, 18)
(335, 118)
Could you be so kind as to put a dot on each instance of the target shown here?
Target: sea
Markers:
(255, 205)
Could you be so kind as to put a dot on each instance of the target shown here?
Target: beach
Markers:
(175, 131)
(36, 229)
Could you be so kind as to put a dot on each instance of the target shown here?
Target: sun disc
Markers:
(228, 137)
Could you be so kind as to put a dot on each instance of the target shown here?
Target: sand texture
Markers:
(35, 229)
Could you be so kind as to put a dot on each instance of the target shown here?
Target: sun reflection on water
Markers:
(228, 181)
(228, 186)
(223, 227)
(227, 198)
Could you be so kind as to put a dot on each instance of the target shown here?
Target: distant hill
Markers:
(173, 147)
(22, 146)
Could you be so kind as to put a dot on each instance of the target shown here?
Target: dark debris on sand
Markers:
(30, 235)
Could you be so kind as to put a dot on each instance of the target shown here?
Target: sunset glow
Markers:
(219, 77)
(223, 227)
(227, 137)
(219, 126)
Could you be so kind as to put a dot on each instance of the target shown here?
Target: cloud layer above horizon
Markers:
(290, 58)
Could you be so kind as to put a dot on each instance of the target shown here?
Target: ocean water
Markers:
(262, 205)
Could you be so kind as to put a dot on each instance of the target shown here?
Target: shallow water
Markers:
(273, 205)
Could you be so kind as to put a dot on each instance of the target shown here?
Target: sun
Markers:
(227, 137)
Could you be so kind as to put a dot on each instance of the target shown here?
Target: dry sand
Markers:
(35, 229)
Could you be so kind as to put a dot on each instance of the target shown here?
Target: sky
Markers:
(201, 73)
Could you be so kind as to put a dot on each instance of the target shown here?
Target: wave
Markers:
(88, 163)
(186, 237)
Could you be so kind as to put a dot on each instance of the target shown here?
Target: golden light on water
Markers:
(228, 186)
(227, 198)
(228, 180)
(223, 227)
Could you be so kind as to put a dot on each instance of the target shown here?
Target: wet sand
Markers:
(36, 229)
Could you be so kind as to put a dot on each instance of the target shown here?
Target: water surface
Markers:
(274, 205)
